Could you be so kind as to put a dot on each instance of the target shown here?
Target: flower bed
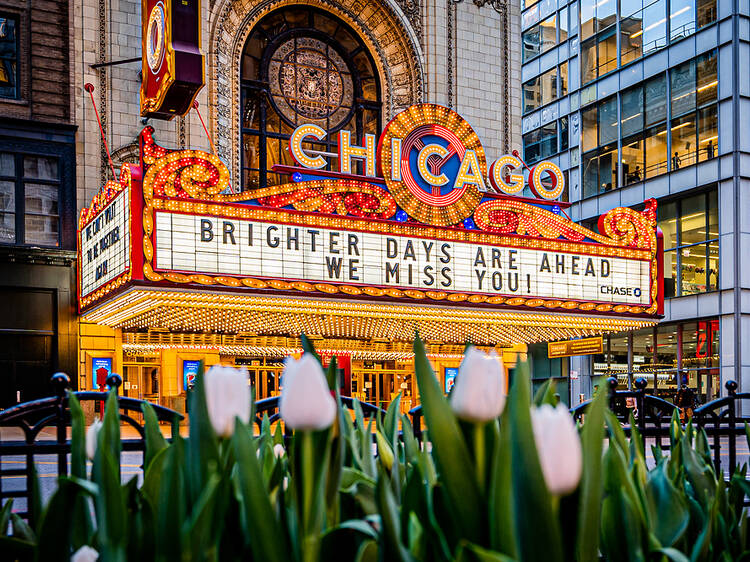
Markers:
(502, 478)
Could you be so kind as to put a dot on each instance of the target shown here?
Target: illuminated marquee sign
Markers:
(425, 220)
(172, 63)
(104, 244)
(223, 246)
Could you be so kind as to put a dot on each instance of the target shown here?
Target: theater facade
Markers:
(412, 233)
(350, 172)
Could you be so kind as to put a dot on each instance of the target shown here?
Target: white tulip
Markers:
(278, 450)
(92, 435)
(478, 394)
(227, 398)
(85, 554)
(559, 447)
(306, 401)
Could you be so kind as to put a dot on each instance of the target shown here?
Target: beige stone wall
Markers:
(428, 50)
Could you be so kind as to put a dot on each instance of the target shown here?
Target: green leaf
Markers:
(502, 524)
(16, 549)
(199, 531)
(673, 554)
(308, 347)
(5, 515)
(368, 552)
(390, 424)
(155, 441)
(532, 502)
(21, 529)
(77, 437)
(55, 524)
(259, 523)
(170, 508)
(360, 526)
(545, 394)
(392, 544)
(590, 500)
(202, 448)
(468, 552)
(667, 508)
(450, 451)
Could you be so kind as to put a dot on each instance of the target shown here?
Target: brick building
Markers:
(38, 205)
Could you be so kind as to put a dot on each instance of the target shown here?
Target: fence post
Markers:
(60, 383)
(731, 387)
(640, 390)
(612, 388)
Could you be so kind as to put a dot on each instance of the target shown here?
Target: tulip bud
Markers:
(92, 434)
(85, 554)
(478, 394)
(558, 446)
(306, 401)
(278, 450)
(227, 398)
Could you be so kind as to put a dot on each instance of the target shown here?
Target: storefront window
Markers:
(667, 356)
(691, 244)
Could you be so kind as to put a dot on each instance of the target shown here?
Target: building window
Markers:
(667, 356)
(9, 55)
(29, 200)
(600, 147)
(694, 109)
(691, 244)
(540, 143)
(303, 66)
(545, 88)
(598, 38)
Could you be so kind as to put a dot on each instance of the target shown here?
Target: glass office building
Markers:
(640, 99)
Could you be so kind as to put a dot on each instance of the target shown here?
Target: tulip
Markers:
(306, 402)
(92, 434)
(85, 554)
(227, 398)
(558, 446)
(479, 392)
(278, 450)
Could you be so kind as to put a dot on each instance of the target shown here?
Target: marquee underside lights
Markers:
(201, 311)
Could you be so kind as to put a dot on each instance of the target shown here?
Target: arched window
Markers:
(302, 65)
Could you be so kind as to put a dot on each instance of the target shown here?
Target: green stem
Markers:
(480, 457)
(308, 495)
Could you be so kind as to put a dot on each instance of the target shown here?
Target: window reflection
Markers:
(691, 244)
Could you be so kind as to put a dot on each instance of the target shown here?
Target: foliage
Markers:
(367, 489)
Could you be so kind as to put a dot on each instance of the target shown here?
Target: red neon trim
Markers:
(90, 89)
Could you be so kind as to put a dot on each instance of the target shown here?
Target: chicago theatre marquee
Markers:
(355, 233)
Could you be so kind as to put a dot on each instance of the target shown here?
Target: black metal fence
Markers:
(31, 418)
(651, 415)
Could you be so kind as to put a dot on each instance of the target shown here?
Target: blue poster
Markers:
(101, 368)
(450, 377)
(189, 372)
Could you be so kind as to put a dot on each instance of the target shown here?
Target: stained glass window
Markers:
(303, 66)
